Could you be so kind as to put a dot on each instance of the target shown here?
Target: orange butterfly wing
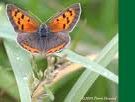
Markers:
(20, 20)
(66, 20)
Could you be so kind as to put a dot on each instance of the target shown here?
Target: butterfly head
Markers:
(43, 30)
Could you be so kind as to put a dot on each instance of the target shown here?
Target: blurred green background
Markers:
(97, 25)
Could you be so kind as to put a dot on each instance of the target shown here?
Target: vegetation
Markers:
(90, 67)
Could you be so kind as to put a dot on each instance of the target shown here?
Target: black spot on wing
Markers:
(18, 22)
(64, 26)
(22, 27)
(68, 20)
(22, 17)
(64, 16)
(16, 12)
(70, 12)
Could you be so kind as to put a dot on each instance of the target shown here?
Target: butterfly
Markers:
(49, 37)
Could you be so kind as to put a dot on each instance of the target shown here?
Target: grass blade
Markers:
(90, 65)
(19, 59)
(88, 77)
(21, 66)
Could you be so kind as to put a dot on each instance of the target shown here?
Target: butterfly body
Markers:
(45, 38)
(44, 31)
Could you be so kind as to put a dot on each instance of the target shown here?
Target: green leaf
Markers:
(6, 80)
(88, 77)
(90, 65)
(20, 62)
(19, 59)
